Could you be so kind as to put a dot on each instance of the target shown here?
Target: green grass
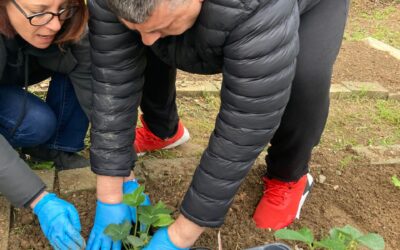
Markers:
(380, 14)
(41, 166)
(378, 23)
(361, 121)
(389, 112)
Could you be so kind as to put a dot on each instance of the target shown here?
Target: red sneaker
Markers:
(281, 202)
(146, 141)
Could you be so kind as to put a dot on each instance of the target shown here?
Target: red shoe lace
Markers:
(146, 138)
(147, 135)
(276, 191)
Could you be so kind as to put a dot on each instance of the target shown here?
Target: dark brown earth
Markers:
(355, 192)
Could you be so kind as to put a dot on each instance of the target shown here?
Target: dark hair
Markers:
(136, 11)
(71, 30)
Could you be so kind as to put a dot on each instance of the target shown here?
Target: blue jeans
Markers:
(59, 123)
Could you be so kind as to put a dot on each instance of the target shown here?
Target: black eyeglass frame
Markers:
(30, 17)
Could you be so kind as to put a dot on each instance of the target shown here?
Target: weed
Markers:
(380, 14)
(343, 163)
(41, 165)
(395, 181)
(147, 217)
(377, 23)
(163, 154)
(388, 113)
(345, 238)
(211, 99)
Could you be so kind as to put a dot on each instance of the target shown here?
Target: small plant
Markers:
(345, 238)
(148, 217)
(395, 181)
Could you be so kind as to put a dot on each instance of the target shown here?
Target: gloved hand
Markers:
(60, 223)
(161, 240)
(130, 187)
(107, 214)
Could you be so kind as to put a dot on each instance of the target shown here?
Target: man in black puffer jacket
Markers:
(276, 59)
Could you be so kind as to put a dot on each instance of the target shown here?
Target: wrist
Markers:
(109, 189)
(37, 199)
(183, 233)
(131, 177)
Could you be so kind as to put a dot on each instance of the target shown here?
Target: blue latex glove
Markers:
(107, 214)
(60, 223)
(130, 187)
(160, 240)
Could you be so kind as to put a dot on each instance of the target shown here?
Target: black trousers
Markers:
(321, 33)
(158, 98)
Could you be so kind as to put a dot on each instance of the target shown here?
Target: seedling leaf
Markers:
(145, 237)
(163, 220)
(161, 208)
(331, 244)
(147, 220)
(146, 210)
(351, 231)
(395, 181)
(303, 235)
(135, 241)
(118, 231)
(372, 241)
(135, 198)
(336, 234)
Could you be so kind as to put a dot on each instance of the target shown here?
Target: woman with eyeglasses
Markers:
(42, 39)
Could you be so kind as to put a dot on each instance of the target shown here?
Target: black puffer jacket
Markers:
(254, 43)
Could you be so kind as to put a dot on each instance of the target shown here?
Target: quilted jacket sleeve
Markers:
(259, 63)
(118, 64)
(18, 183)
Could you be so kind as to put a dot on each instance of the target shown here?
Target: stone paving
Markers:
(48, 177)
(74, 180)
(380, 155)
(368, 89)
(338, 90)
(156, 169)
(198, 89)
(376, 44)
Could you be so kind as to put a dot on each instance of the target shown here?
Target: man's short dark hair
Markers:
(136, 11)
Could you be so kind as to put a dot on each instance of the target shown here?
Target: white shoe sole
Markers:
(310, 182)
(185, 137)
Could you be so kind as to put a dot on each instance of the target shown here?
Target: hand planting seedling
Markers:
(345, 238)
(148, 217)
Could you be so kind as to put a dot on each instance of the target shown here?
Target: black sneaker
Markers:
(39, 154)
(67, 160)
(62, 160)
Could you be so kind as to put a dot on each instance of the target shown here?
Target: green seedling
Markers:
(345, 238)
(148, 217)
(395, 181)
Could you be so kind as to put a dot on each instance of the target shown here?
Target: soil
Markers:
(355, 192)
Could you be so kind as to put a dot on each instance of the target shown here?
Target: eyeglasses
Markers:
(43, 18)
